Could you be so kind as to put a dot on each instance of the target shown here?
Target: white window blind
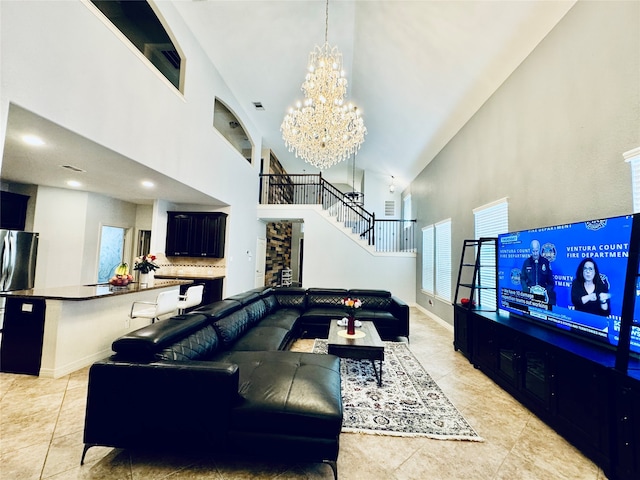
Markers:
(633, 157)
(443, 260)
(428, 259)
(490, 221)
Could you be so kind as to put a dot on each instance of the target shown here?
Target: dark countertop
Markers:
(191, 277)
(89, 292)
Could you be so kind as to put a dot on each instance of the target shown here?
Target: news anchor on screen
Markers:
(590, 289)
(536, 276)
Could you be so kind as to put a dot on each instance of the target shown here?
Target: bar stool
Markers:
(166, 302)
(191, 298)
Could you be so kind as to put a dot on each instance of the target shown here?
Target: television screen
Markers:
(569, 276)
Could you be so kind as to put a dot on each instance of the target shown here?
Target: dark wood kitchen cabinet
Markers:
(196, 234)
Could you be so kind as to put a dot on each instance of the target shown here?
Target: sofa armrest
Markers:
(400, 310)
(156, 404)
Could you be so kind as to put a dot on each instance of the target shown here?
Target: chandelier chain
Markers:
(326, 23)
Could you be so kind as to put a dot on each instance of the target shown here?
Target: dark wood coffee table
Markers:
(360, 347)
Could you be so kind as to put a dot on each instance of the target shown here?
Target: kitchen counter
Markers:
(88, 292)
(52, 332)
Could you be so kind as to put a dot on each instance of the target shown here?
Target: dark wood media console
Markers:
(569, 383)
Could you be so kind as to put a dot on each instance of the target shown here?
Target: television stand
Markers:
(569, 383)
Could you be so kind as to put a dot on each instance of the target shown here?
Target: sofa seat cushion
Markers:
(263, 338)
(286, 318)
(287, 393)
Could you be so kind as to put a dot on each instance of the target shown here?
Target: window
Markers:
(428, 254)
(436, 259)
(633, 157)
(443, 260)
(138, 22)
(226, 122)
(490, 220)
(111, 251)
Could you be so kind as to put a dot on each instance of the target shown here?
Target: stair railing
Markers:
(312, 189)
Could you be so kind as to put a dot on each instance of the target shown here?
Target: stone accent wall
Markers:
(278, 251)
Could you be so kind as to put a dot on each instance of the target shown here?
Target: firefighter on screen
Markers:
(536, 276)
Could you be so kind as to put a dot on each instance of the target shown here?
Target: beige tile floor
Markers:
(41, 423)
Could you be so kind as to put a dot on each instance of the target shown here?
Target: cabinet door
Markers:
(213, 232)
(179, 234)
(461, 331)
(536, 375)
(484, 345)
(626, 437)
(580, 390)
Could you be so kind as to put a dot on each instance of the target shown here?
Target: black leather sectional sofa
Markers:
(220, 380)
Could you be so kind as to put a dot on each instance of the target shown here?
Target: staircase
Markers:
(346, 208)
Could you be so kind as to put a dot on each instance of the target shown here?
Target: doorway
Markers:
(144, 242)
(261, 261)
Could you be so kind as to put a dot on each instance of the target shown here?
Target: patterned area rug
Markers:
(409, 403)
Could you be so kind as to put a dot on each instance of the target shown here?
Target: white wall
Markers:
(61, 61)
(69, 223)
(60, 220)
(343, 262)
(376, 193)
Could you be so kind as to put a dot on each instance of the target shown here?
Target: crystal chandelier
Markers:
(323, 130)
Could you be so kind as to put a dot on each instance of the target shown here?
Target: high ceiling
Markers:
(418, 71)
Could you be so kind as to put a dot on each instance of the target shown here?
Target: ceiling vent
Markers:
(389, 208)
(258, 105)
(73, 169)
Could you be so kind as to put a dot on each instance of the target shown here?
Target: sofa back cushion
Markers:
(372, 299)
(270, 302)
(144, 343)
(325, 297)
(200, 345)
(232, 327)
(291, 297)
(256, 310)
(220, 309)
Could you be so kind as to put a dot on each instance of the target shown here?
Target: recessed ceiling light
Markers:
(148, 184)
(32, 140)
(74, 183)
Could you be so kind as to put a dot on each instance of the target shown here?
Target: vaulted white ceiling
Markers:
(418, 70)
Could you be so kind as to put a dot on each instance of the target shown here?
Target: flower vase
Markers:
(144, 280)
(152, 278)
(351, 325)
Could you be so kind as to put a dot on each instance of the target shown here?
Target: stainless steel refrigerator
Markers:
(17, 259)
(18, 252)
(17, 263)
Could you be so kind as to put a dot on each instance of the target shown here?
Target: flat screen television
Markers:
(570, 277)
